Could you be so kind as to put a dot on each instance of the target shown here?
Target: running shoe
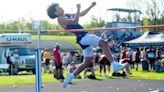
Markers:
(68, 79)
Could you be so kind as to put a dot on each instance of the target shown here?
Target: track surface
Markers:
(110, 85)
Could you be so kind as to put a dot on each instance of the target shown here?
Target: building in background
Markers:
(123, 18)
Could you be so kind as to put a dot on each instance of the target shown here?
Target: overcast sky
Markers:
(36, 9)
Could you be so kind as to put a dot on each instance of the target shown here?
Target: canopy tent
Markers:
(147, 39)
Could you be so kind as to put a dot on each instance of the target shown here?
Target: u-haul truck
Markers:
(20, 42)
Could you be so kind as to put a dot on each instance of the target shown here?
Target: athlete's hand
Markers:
(93, 4)
(78, 6)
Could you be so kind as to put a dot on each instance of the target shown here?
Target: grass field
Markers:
(46, 77)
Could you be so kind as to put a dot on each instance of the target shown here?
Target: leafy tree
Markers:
(95, 23)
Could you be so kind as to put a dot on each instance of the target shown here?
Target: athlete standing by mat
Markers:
(84, 39)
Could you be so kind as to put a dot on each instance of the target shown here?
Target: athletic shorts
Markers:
(92, 40)
(47, 62)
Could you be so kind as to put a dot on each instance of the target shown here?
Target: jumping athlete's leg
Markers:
(85, 71)
(104, 66)
(108, 53)
(85, 64)
(106, 50)
(88, 56)
(80, 68)
(128, 71)
(101, 69)
(94, 40)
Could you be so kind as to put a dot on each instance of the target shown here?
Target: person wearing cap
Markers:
(58, 62)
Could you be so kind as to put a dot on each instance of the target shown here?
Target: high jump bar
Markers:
(105, 29)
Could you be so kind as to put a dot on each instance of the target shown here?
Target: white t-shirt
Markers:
(142, 54)
(151, 55)
(12, 59)
(65, 60)
(134, 56)
(16, 57)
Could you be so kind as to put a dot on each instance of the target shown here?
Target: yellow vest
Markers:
(46, 55)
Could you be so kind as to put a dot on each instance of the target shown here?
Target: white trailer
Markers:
(20, 42)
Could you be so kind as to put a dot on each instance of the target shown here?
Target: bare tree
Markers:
(162, 13)
(132, 4)
(153, 10)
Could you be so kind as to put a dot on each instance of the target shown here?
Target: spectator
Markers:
(123, 53)
(14, 57)
(72, 68)
(96, 56)
(129, 56)
(151, 57)
(133, 58)
(65, 60)
(42, 52)
(103, 62)
(10, 60)
(46, 59)
(42, 61)
(137, 58)
(143, 54)
(70, 57)
(75, 57)
(158, 54)
(91, 69)
(162, 62)
(58, 62)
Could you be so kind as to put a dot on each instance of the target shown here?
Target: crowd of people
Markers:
(57, 62)
(144, 55)
(152, 56)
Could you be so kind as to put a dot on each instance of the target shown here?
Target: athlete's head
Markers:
(54, 11)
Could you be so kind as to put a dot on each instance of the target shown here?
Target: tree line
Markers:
(14, 26)
(27, 26)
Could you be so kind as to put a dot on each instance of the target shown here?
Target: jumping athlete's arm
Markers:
(84, 12)
(74, 20)
(77, 15)
(87, 10)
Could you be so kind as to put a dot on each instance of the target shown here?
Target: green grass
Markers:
(147, 75)
(47, 78)
(20, 79)
(25, 79)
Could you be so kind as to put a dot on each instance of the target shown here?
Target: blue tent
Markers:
(147, 39)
